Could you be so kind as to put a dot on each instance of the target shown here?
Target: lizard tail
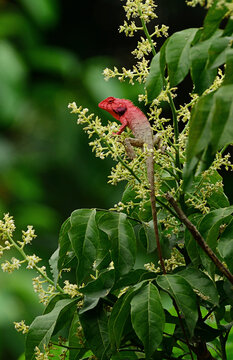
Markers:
(150, 175)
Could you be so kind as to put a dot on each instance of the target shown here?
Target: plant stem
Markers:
(199, 239)
(171, 102)
(41, 272)
(146, 30)
(178, 165)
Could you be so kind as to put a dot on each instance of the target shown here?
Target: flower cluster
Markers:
(27, 236)
(144, 47)
(208, 3)
(144, 10)
(140, 8)
(9, 267)
(171, 264)
(21, 326)
(104, 144)
(193, 3)
(43, 294)
(175, 261)
(7, 227)
(45, 355)
(7, 246)
(139, 72)
(207, 185)
(151, 267)
(129, 29)
(32, 261)
(71, 289)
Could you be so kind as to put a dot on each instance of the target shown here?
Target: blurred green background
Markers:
(53, 52)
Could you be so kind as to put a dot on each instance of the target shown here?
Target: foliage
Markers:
(117, 302)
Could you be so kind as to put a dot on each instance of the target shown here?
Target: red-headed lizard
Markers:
(129, 115)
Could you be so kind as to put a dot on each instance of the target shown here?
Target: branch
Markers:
(199, 239)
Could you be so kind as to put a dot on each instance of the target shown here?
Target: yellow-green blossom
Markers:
(21, 326)
(71, 289)
(45, 355)
(11, 266)
(7, 227)
(144, 9)
(144, 48)
(32, 261)
(46, 293)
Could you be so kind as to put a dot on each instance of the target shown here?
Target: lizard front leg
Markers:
(157, 142)
(129, 144)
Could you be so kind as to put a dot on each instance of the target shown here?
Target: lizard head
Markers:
(115, 107)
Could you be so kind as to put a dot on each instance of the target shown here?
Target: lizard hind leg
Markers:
(129, 144)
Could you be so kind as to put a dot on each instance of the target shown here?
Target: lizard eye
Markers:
(120, 110)
(111, 100)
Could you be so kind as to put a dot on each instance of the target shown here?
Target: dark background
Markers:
(51, 53)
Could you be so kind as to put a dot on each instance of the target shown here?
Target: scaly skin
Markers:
(129, 115)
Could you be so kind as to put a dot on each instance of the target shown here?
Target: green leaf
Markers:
(213, 218)
(228, 31)
(162, 59)
(53, 261)
(148, 317)
(217, 199)
(84, 237)
(154, 81)
(52, 302)
(119, 315)
(97, 289)
(148, 232)
(192, 248)
(123, 355)
(42, 328)
(225, 246)
(213, 19)
(180, 290)
(74, 342)
(210, 130)
(95, 328)
(177, 55)
(122, 237)
(133, 277)
(201, 282)
(228, 79)
(217, 52)
(64, 244)
(209, 228)
(222, 118)
(198, 136)
(202, 76)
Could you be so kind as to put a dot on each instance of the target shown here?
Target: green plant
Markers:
(118, 303)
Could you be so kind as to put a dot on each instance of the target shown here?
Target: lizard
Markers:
(130, 115)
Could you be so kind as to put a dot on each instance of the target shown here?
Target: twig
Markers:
(199, 239)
